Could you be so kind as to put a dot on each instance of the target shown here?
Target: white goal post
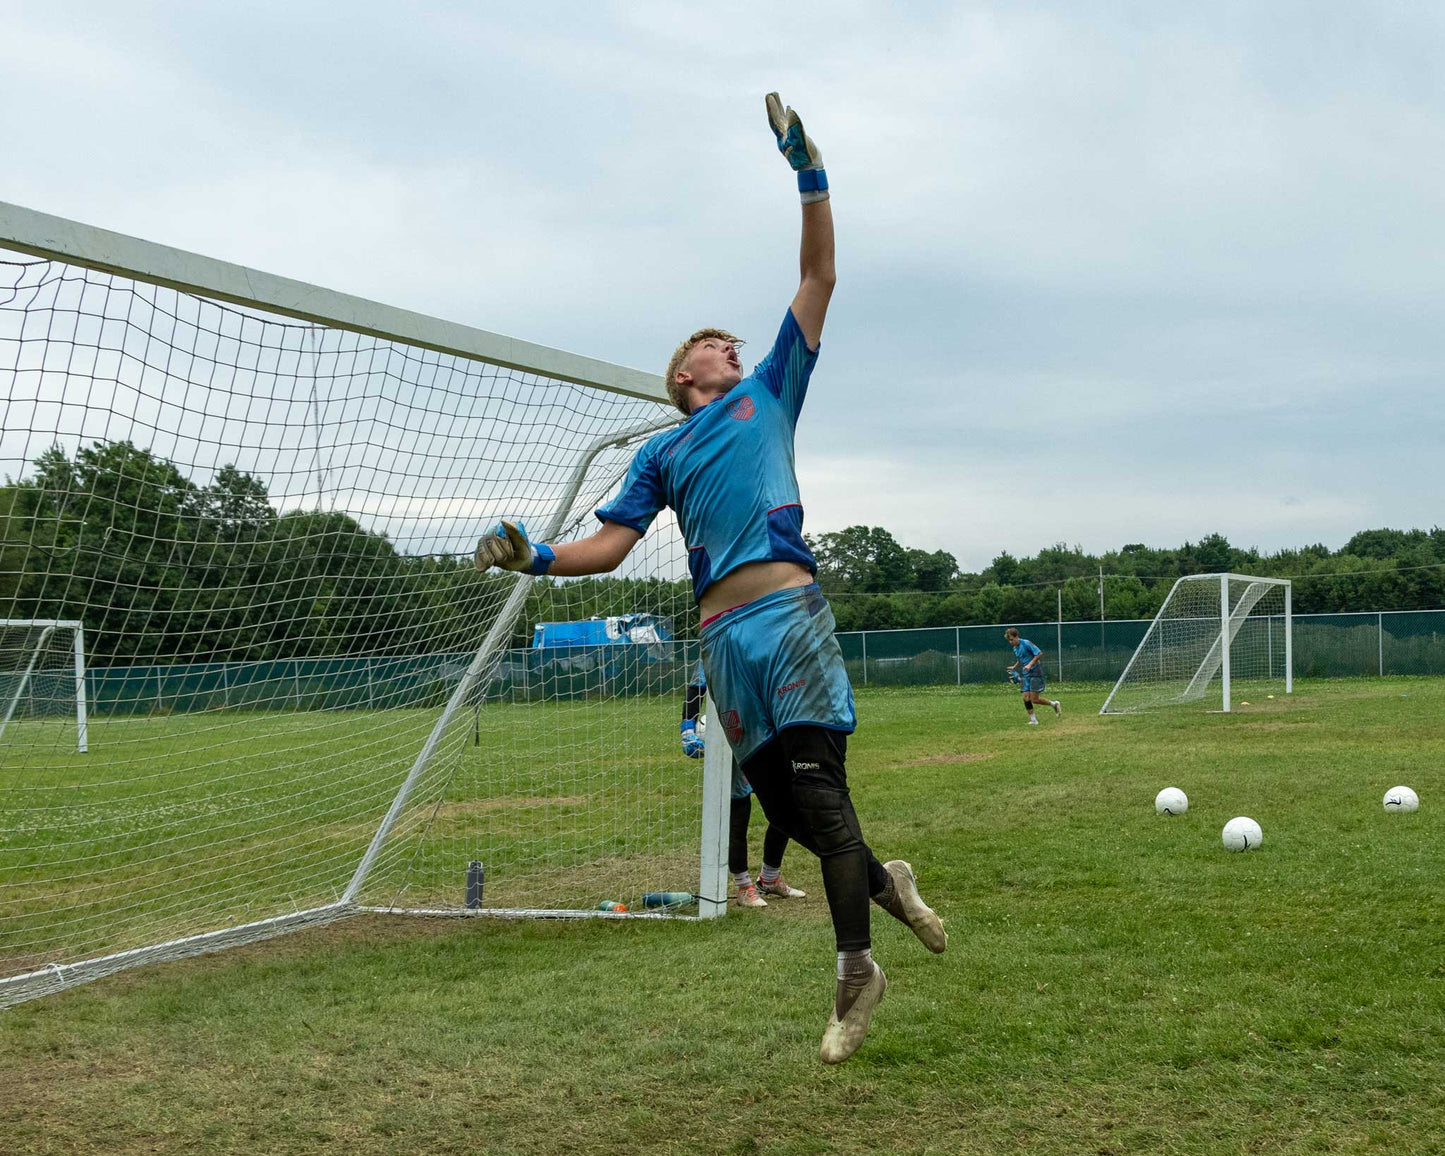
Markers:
(1234, 628)
(42, 673)
(249, 504)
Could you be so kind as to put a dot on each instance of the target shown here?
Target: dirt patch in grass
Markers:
(945, 760)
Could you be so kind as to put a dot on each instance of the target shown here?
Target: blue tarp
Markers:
(622, 630)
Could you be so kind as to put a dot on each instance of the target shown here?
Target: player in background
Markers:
(775, 842)
(1028, 661)
(774, 668)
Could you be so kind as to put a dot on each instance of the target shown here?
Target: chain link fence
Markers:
(1325, 646)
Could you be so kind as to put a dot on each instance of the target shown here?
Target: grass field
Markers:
(1115, 981)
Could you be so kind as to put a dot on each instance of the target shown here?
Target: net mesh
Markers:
(1181, 658)
(266, 528)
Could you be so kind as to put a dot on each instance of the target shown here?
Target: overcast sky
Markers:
(1108, 273)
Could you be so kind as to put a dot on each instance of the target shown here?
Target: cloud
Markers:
(1106, 273)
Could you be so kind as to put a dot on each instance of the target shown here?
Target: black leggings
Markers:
(775, 842)
(800, 780)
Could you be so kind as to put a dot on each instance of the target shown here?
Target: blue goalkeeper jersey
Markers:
(1025, 651)
(728, 471)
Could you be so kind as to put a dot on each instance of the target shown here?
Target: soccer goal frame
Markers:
(85, 247)
(1210, 636)
(31, 656)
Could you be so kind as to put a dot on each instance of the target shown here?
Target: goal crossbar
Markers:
(56, 238)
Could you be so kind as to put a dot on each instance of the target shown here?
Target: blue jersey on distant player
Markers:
(1025, 651)
(728, 471)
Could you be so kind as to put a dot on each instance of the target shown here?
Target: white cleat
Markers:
(842, 1037)
(1033, 721)
(782, 889)
(917, 914)
(1058, 710)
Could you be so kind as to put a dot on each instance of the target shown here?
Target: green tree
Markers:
(861, 560)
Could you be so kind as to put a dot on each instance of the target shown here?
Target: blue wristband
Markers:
(812, 181)
(543, 559)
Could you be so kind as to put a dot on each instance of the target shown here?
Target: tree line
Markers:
(876, 583)
(162, 570)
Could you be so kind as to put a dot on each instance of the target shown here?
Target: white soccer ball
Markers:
(1401, 799)
(1171, 801)
(701, 726)
(1242, 834)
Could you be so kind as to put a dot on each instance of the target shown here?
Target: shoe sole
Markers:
(921, 918)
(844, 1037)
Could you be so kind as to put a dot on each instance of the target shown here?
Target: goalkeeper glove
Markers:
(798, 147)
(1013, 675)
(508, 548)
(692, 745)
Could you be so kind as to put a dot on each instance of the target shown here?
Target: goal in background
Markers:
(42, 682)
(1230, 627)
(261, 499)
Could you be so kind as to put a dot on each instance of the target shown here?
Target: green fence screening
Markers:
(1325, 646)
(530, 675)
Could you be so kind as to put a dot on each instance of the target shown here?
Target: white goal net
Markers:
(1219, 638)
(42, 683)
(261, 500)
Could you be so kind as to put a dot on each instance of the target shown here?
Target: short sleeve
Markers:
(641, 497)
(788, 366)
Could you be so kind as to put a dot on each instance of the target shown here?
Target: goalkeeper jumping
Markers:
(775, 670)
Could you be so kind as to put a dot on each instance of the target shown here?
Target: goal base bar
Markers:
(57, 976)
(523, 913)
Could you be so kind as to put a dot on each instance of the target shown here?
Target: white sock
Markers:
(742, 879)
(855, 964)
(769, 874)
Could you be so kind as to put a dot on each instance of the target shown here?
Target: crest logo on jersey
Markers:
(742, 409)
(732, 726)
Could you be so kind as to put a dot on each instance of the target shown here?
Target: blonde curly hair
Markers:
(674, 391)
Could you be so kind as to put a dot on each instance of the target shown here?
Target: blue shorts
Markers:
(773, 663)
(1033, 679)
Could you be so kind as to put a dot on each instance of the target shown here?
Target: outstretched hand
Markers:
(508, 548)
(793, 142)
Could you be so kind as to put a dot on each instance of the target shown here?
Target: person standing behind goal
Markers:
(775, 842)
(775, 669)
(1029, 663)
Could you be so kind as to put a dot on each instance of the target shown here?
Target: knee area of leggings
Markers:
(830, 821)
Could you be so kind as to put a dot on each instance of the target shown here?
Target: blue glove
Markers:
(1013, 675)
(692, 746)
(507, 547)
(798, 147)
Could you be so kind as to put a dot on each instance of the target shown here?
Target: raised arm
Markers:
(817, 273)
